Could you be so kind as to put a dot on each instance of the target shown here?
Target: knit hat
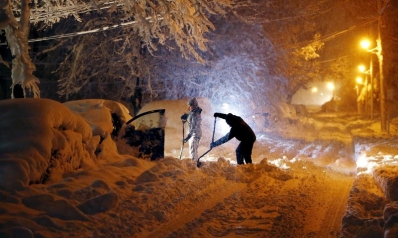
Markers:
(193, 103)
(230, 119)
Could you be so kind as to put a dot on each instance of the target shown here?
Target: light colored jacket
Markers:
(195, 123)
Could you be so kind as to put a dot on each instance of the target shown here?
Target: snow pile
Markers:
(40, 138)
(363, 217)
(98, 112)
(49, 139)
(386, 178)
(372, 208)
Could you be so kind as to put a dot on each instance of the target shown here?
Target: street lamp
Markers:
(362, 69)
(365, 44)
(314, 89)
(378, 51)
(359, 80)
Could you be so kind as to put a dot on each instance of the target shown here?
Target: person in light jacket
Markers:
(194, 135)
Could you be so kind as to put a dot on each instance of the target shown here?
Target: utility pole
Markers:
(383, 119)
(371, 87)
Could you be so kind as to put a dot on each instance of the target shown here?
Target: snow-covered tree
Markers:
(295, 32)
(234, 71)
(183, 22)
(17, 38)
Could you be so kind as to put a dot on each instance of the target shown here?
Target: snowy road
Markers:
(334, 202)
(195, 211)
(304, 201)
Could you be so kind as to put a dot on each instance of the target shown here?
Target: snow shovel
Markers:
(198, 163)
(183, 135)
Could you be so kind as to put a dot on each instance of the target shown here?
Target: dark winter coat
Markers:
(239, 129)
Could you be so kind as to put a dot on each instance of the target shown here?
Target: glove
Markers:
(187, 138)
(184, 117)
(217, 114)
(220, 115)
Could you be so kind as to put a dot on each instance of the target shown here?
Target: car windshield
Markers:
(146, 133)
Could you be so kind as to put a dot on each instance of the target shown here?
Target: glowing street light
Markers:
(359, 80)
(330, 85)
(365, 44)
(362, 69)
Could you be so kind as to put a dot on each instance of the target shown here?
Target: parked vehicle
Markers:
(146, 132)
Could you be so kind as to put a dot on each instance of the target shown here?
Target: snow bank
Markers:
(372, 209)
(386, 178)
(365, 204)
(40, 136)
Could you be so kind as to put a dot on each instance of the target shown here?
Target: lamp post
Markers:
(381, 6)
(363, 70)
(378, 51)
(359, 81)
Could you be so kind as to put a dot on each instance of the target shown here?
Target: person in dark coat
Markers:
(242, 132)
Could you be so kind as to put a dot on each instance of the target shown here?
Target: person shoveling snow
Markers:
(242, 132)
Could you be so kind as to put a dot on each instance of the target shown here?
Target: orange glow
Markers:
(330, 85)
(361, 68)
(365, 44)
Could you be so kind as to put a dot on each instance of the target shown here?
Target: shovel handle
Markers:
(212, 140)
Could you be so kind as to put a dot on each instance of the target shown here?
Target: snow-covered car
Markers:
(141, 136)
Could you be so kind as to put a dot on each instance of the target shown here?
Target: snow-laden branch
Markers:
(105, 28)
(184, 22)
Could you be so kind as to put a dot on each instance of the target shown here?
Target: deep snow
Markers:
(314, 175)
